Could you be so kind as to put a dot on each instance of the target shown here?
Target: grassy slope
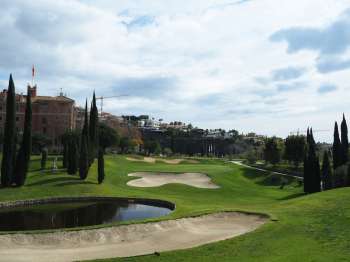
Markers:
(309, 228)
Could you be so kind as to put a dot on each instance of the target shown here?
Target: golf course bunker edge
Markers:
(128, 240)
(157, 179)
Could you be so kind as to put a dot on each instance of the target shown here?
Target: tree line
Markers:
(322, 170)
(15, 163)
(333, 174)
(80, 148)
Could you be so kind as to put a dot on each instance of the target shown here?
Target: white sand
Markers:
(128, 240)
(145, 159)
(149, 179)
(152, 160)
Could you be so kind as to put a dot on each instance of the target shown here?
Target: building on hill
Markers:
(52, 115)
(112, 121)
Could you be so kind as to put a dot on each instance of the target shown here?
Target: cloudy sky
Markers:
(269, 66)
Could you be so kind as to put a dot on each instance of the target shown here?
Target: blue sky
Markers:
(269, 66)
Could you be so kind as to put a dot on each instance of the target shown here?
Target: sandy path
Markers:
(149, 179)
(128, 240)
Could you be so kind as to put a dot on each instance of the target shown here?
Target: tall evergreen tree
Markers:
(93, 131)
(306, 165)
(306, 175)
(9, 146)
(326, 172)
(83, 159)
(65, 154)
(23, 156)
(312, 139)
(344, 141)
(317, 176)
(84, 152)
(314, 165)
(73, 156)
(272, 153)
(43, 161)
(101, 166)
(312, 177)
(337, 148)
(295, 149)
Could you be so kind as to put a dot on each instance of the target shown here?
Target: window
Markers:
(44, 107)
(44, 130)
(44, 120)
(17, 118)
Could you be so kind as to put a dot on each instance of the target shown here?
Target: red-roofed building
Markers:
(52, 115)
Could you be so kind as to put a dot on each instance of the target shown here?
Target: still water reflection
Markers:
(54, 216)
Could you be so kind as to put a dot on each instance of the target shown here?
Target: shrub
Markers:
(341, 176)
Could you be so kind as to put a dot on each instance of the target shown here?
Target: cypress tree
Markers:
(65, 154)
(72, 156)
(93, 130)
(306, 164)
(9, 146)
(314, 165)
(306, 175)
(69, 156)
(101, 166)
(83, 159)
(326, 172)
(344, 141)
(23, 156)
(312, 178)
(43, 158)
(337, 151)
(84, 154)
(317, 176)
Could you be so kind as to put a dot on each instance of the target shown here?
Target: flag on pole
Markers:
(33, 71)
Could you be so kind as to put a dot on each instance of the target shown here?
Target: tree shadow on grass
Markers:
(266, 178)
(275, 180)
(75, 182)
(253, 174)
(297, 195)
(53, 180)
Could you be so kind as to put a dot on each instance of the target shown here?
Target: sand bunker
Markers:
(149, 179)
(145, 159)
(152, 160)
(128, 240)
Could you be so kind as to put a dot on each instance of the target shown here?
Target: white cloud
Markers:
(211, 53)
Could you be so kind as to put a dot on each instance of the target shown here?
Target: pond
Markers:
(78, 214)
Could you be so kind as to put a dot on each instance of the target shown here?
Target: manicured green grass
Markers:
(283, 167)
(303, 228)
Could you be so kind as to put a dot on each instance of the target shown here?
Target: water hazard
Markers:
(81, 214)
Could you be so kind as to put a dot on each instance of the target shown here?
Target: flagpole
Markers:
(33, 76)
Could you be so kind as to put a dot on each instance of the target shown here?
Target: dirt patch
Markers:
(149, 179)
(128, 240)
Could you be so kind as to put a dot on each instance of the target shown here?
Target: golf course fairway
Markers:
(299, 227)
